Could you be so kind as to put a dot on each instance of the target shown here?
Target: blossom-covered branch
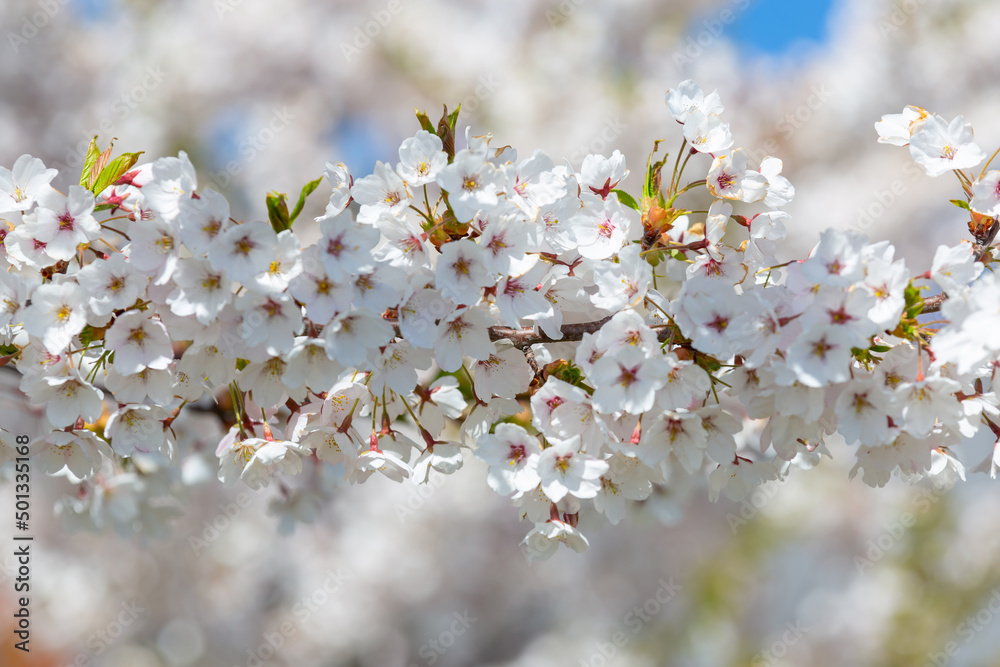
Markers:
(429, 320)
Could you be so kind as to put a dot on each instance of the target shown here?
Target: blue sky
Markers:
(92, 11)
(775, 27)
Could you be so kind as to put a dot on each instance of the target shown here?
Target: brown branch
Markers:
(525, 337)
(932, 304)
(529, 356)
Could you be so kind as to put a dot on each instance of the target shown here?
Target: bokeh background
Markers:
(818, 570)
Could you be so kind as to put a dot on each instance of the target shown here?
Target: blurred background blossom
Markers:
(818, 570)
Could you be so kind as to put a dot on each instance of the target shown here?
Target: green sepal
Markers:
(707, 362)
(908, 327)
(914, 310)
(87, 335)
(913, 301)
(651, 187)
(865, 357)
(567, 371)
(906, 331)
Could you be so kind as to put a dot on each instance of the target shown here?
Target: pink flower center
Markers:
(335, 247)
(674, 427)
(245, 245)
(516, 454)
(513, 288)
(719, 323)
(628, 376)
(726, 181)
(840, 316)
(821, 347)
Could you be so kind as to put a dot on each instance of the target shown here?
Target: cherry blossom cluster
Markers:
(592, 347)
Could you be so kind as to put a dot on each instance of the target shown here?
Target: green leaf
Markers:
(241, 364)
(961, 203)
(7, 350)
(88, 163)
(907, 331)
(425, 122)
(881, 349)
(114, 170)
(102, 162)
(626, 199)
(277, 211)
(307, 190)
